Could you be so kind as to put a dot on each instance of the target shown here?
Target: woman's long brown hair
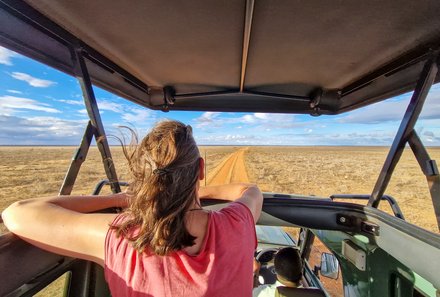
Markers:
(165, 171)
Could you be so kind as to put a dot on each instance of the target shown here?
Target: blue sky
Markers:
(41, 106)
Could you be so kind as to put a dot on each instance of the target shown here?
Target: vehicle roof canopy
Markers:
(317, 57)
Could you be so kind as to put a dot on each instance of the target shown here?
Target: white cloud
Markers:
(207, 119)
(264, 120)
(393, 110)
(228, 139)
(269, 120)
(9, 104)
(40, 130)
(137, 115)
(373, 138)
(84, 111)
(248, 139)
(430, 137)
(337, 137)
(71, 102)
(110, 106)
(429, 133)
(6, 55)
(32, 81)
(14, 91)
(378, 113)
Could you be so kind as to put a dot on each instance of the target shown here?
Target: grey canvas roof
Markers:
(317, 57)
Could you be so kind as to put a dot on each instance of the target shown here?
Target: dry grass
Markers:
(29, 172)
(38, 171)
(323, 171)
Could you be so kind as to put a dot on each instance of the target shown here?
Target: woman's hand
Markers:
(256, 271)
(248, 194)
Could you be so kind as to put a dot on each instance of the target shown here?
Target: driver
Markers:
(288, 267)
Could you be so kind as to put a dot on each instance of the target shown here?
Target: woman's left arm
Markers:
(63, 224)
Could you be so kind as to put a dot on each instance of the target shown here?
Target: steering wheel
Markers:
(267, 273)
(266, 255)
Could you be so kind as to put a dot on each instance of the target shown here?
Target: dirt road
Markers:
(231, 170)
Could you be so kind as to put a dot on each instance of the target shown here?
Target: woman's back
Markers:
(149, 249)
(222, 267)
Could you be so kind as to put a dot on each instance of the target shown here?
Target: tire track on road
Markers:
(231, 170)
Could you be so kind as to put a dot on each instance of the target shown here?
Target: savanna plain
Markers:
(28, 172)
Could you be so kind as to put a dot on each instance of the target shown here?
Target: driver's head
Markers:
(288, 266)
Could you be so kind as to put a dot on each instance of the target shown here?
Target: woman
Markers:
(164, 243)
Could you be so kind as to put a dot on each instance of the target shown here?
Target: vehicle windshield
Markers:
(270, 236)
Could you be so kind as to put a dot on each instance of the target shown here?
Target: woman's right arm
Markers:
(248, 194)
(63, 224)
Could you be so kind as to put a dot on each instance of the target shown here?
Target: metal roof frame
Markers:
(26, 30)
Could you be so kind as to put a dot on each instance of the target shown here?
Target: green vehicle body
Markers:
(384, 273)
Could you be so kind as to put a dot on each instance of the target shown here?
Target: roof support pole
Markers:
(83, 77)
(412, 113)
(430, 170)
(77, 160)
(246, 40)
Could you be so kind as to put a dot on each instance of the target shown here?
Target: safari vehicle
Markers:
(305, 57)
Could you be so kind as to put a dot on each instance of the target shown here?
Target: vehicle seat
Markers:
(298, 292)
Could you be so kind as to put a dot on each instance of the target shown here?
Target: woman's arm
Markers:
(62, 225)
(83, 203)
(248, 194)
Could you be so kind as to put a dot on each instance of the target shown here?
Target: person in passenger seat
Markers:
(164, 243)
(288, 267)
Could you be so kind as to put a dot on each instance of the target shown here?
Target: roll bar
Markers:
(407, 134)
(94, 128)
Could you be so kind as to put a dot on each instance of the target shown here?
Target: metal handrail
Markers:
(103, 183)
(393, 203)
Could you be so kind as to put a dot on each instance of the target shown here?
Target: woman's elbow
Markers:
(255, 190)
(13, 215)
(9, 217)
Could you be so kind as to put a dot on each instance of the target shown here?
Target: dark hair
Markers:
(288, 264)
(165, 171)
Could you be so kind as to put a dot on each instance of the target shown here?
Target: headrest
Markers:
(298, 292)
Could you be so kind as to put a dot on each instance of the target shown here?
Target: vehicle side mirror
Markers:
(329, 266)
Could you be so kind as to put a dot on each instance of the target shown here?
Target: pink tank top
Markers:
(223, 267)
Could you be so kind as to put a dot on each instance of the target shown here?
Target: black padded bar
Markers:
(429, 168)
(81, 279)
(82, 75)
(28, 262)
(77, 160)
(412, 113)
